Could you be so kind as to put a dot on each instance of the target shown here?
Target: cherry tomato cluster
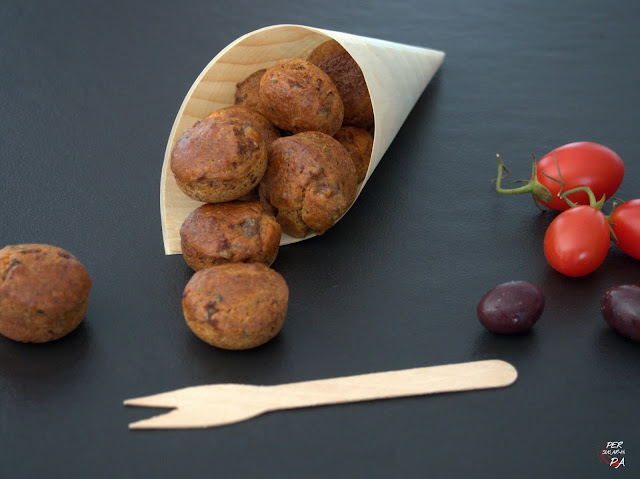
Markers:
(576, 179)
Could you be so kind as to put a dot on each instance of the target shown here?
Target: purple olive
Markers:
(511, 307)
(620, 307)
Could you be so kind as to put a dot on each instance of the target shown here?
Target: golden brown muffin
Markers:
(219, 160)
(233, 232)
(359, 144)
(336, 62)
(236, 305)
(247, 116)
(310, 181)
(44, 292)
(248, 91)
(298, 96)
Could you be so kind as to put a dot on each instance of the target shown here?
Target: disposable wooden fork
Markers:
(222, 404)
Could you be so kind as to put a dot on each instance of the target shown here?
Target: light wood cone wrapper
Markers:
(396, 76)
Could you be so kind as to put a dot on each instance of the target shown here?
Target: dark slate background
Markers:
(88, 94)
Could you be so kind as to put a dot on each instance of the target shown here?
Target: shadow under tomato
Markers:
(574, 298)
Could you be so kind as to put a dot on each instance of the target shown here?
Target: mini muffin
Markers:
(359, 144)
(44, 292)
(336, 62)
(298, 96)
(247, 116)
(219, 160)
(248, 91)
(233, 232)
(236, 305)
(310, 181)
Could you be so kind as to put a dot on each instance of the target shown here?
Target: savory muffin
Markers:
(219, 160)
(232, 232)
(359, 144)
(310, 181)
(236, 305)
(298, 96)
(44, 292)
(248, 91)
(336, 62)
(248, 116)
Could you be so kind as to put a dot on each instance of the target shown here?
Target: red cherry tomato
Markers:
(625, 223)
(581, 164)
(577, 241)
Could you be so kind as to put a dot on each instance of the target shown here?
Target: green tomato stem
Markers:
(613, 236)
(592, 198)
(533, 186)
(527, 188)
(593, 203)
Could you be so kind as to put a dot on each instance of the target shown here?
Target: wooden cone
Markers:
(396, 76)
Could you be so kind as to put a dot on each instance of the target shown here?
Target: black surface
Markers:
(88, 94)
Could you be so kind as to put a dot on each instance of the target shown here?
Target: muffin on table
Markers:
(219, 160)
(236, 305)
(336, 62)
(298, 96)
(44, 292)
(232, 232)
(310, 182)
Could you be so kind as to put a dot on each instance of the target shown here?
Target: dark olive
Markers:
(511, 307)
(620, 307)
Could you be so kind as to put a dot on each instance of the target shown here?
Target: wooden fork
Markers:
(222, 404)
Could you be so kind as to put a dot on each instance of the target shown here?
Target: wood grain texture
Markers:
(223, 404)
(395, 74)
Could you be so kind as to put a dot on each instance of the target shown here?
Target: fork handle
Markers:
(392, 384)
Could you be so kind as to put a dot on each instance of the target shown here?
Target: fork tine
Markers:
(155, 400)
(182, 419)
(166, 420)
(171, 399)
(189, 418)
